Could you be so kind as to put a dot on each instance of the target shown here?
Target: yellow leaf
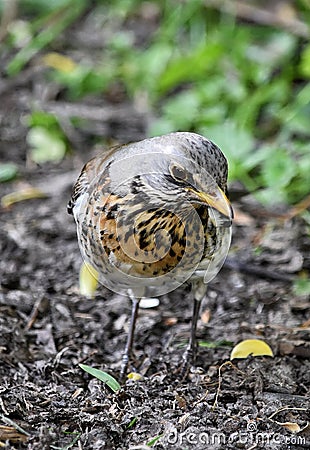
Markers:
(293, 427)
(254, 347)
(134, 376)
(88, 280)
(59, 62)
(28, 193)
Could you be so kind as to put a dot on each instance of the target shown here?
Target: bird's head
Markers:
(181, 183)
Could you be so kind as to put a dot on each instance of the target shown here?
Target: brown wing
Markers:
(90, 170)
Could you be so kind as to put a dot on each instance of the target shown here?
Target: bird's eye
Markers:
(178, 173)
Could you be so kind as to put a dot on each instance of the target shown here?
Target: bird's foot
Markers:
(124, 368)
(188, 361)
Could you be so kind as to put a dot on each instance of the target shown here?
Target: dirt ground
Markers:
(48, 328)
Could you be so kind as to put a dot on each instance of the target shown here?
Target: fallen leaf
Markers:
(28, 193)
(254, 347)
(305, 324)
(134, 376)
(10, 434)
(181, 401)
(77, 392)
(293, 427)
(205, 316)
(59, 62)
(88, 280)
(170, 321)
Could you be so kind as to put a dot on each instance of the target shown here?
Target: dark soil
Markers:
(48, 328)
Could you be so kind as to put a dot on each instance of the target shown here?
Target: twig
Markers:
(8, 15)
(220, 383)
(297, 209)
(34, 313)
(95, 113)
(248, 268)
(226, 363)
(200, 400)
(292, 426)
(2, 406)
(13, 424)
(71, 444)
(259, 15)
(285, 408)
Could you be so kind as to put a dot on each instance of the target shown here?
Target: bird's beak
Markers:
(217, 200)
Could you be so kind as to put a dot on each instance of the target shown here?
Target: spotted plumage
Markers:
(151, 215)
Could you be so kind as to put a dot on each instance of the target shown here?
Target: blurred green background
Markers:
(235, 71)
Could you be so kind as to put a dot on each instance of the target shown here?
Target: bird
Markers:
(152, 215)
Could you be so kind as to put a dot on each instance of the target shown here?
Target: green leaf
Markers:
(8, 172)
(217, 344)
(43, 6)
(46, 146)
(141, 70)
(180, 69)
(42, 119)
(175, 107)
(278, 169)
(64, 16)
(19, 33)
(305, 62)
(84, 79)
(162, 125)
(102, 376)
(237, 144)
(132, 423)
(247, 113)
(302, 286)
(153, 441)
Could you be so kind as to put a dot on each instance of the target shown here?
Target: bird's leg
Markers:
(191, 350)
(189, 356)
(130, 337)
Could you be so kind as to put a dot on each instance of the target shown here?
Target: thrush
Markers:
(153, 215)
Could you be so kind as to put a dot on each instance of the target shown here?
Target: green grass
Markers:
(244, 85)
